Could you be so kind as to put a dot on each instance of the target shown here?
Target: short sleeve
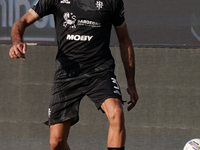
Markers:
(42, 8)
(118, 18)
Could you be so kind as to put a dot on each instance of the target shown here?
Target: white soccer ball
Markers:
(193, 144)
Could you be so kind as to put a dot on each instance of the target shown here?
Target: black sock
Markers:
(119, 148)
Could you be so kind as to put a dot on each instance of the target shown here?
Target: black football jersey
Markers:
(83, 29)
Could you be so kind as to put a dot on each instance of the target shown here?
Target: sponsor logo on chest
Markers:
(88, 23)
(79, 37)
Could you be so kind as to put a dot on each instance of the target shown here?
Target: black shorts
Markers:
(66, 96)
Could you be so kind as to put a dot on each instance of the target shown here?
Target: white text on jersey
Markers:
(79, 37)
(65, 1)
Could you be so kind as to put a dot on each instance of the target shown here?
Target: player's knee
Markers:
(57, 143)
(116, 118)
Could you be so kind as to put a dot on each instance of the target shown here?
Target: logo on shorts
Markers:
(70, 20)
(49, 112)
(122, 12)
(116, 87)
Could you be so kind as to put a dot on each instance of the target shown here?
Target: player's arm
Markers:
(128, 59)
(18, 49)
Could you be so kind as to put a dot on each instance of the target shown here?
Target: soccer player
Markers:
(84, 64)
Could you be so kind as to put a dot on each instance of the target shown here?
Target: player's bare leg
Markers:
(117, 133)
(59, 134)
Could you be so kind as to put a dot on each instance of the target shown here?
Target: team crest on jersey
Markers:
(99, 4)
(65, 1)
(70, 20)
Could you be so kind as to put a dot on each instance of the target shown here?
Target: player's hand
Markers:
(18, 50)
(133, 97)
